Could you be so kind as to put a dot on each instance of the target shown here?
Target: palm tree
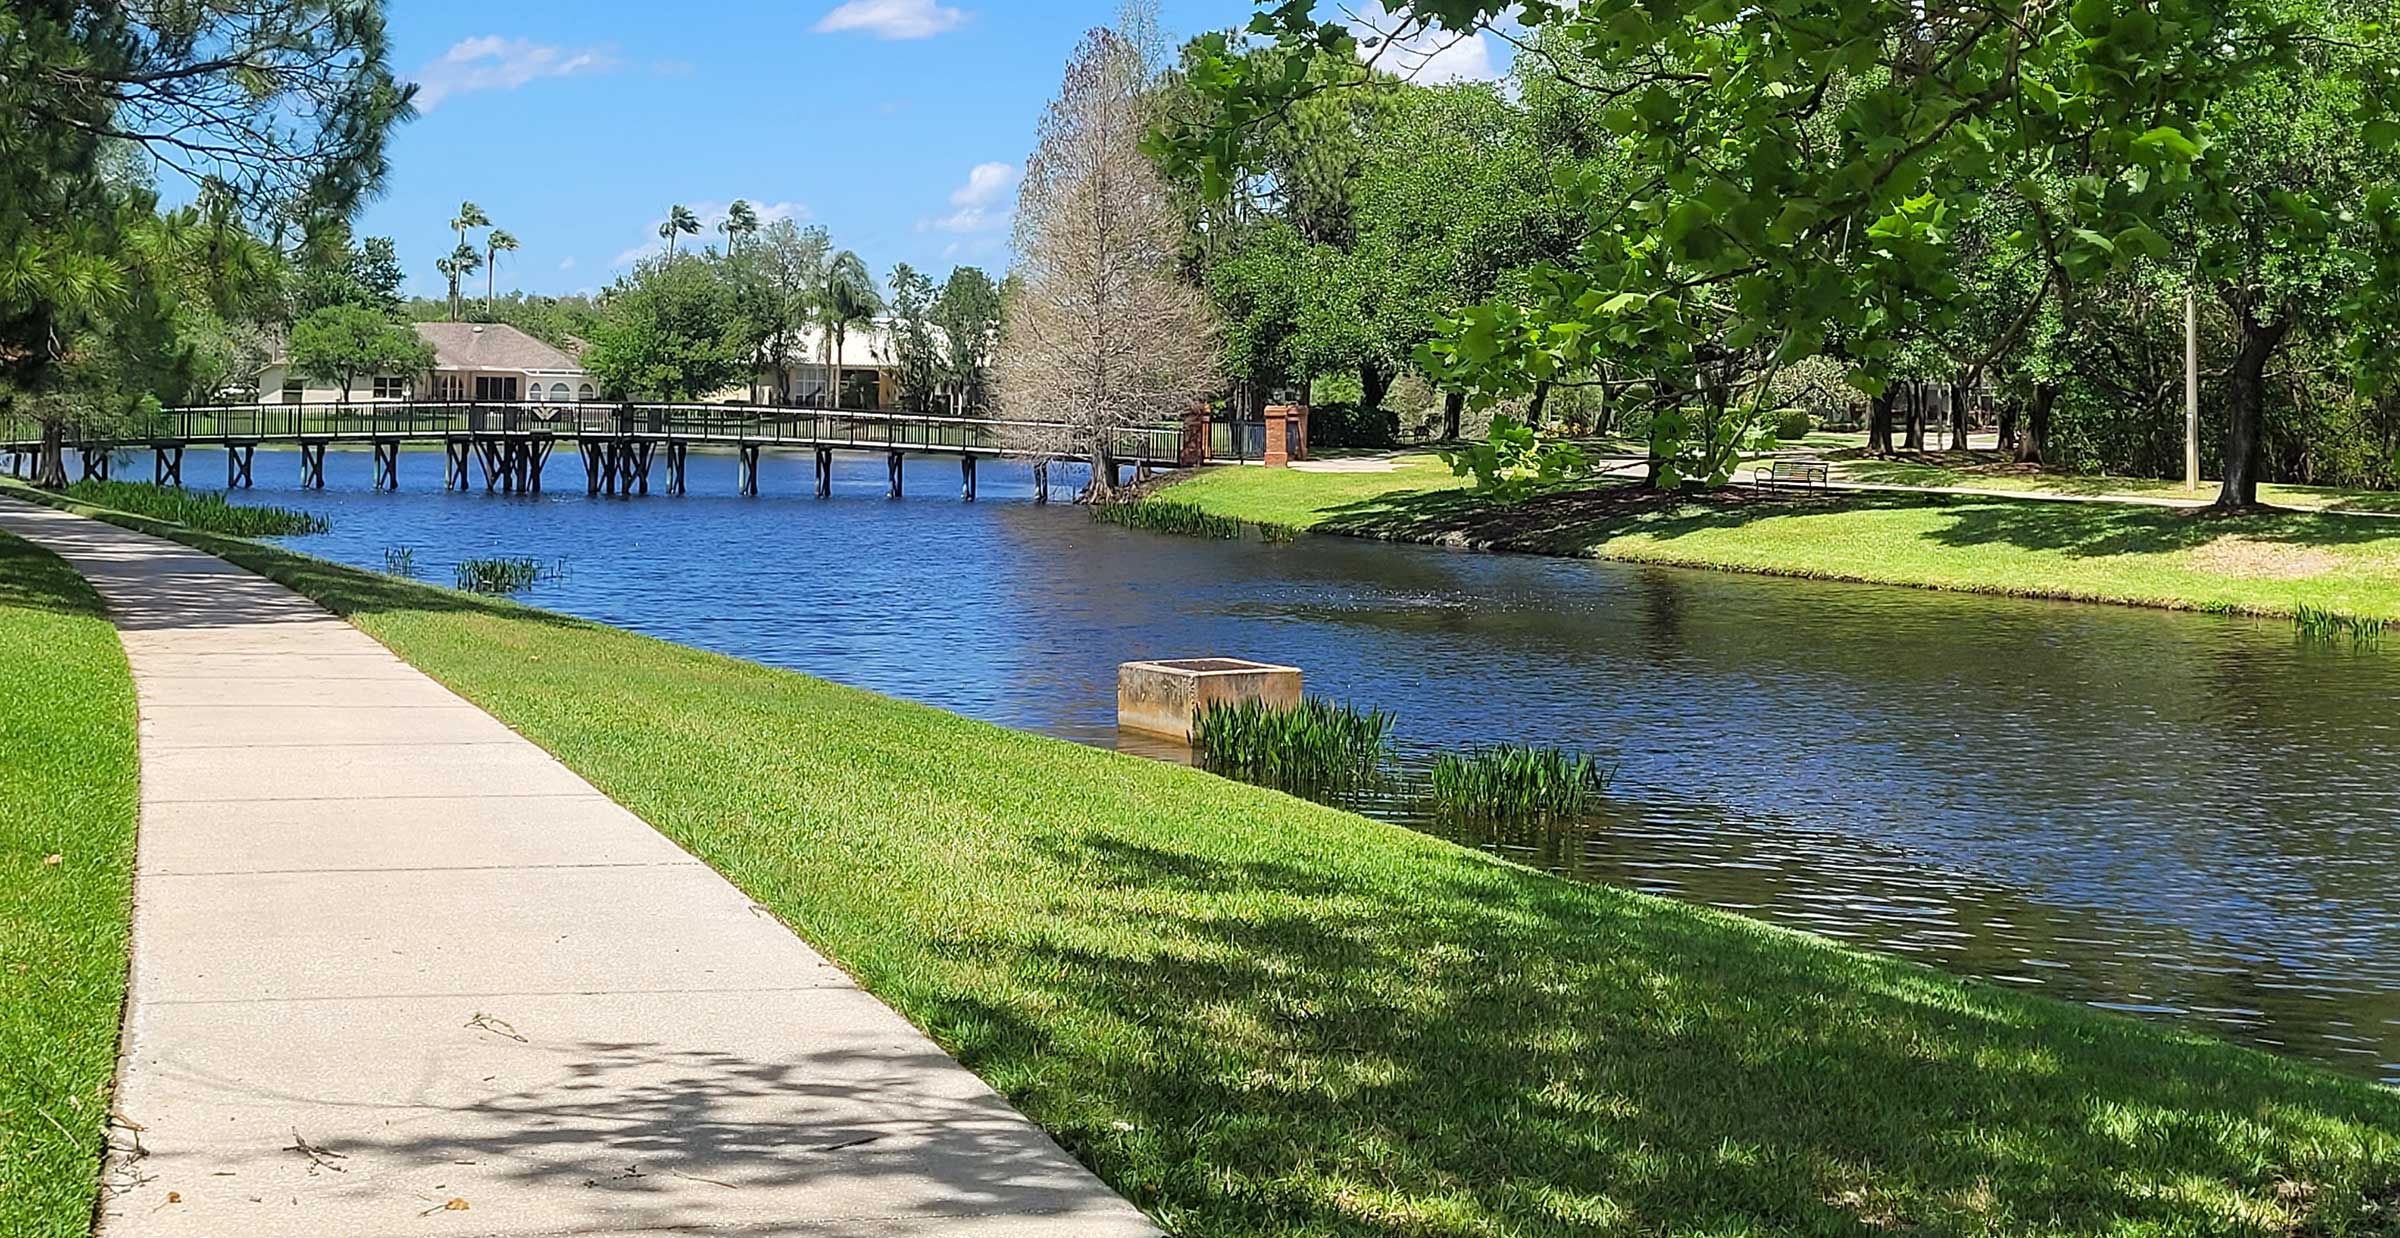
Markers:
(496, 244)
(462, 262)
(469, 216)
(679, 220)
(739, 222)
(849, 298)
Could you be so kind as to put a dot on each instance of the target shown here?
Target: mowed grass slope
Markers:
(1256, 1015)
(2269, 563)
(69, 793)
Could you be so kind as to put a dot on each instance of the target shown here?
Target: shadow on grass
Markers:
(1475, 1049)
(34, 579)
(1581, 520)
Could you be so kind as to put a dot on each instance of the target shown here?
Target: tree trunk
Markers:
(50, 470)
(2033, 444)
(1372, 384)
(1916, 417)
(2008, 428)
(1879, 423)
(1104, 474)
(1958, 417)
(1454, 406)
(1533, 410)
(2246, 406)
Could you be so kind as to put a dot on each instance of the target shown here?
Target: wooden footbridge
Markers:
(506, 446)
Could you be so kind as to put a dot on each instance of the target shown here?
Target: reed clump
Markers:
(1319, 746)
(1516, 782)
(400, 561)
(1169, 516)
(204, 511)
(2320, 624)
(499, 575)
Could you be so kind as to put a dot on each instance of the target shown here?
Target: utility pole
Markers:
(2191, 388)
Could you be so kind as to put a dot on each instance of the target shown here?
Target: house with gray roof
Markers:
(479, 362)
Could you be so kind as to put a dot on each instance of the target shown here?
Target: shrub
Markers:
(1792, 425)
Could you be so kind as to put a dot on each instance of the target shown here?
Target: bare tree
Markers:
(1100, 336)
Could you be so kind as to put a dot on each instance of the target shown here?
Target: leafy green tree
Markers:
(968, 313)
(679, 222)
(777, 277)
(668, 331)
(279, 109)
(342, 343)
(915, 348)
(375, 269)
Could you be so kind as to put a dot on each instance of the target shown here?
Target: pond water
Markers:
(2186, 817)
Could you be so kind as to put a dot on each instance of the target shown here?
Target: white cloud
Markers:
(489, 62)
(566, 264)
(1427, 57)
(711, 214)
(981, 203)
(893, 19)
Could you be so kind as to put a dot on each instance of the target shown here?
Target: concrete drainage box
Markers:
(1166, 698)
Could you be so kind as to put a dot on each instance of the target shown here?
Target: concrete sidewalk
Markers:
(397, 971)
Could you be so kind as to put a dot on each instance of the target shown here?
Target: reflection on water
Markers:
(2184, 816)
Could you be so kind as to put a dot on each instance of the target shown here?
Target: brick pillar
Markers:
(1297, 417)
(1274, 455)
(1195, 437)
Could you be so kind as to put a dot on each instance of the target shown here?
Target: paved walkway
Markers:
(397, 971)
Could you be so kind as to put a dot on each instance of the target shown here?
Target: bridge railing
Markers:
(711, 423)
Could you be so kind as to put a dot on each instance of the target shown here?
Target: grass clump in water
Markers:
(1319, 746)
(1169, 516)
(203, 510)
(1517, 782)
(400, 561)
(2319, 624)
(499, 575)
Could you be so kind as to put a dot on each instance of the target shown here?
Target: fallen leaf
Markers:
(174, 1197)
(53, 859)
(455, 1205)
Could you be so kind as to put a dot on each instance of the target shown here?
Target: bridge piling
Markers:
(166, 464)
(894, 464)
(94, 462)
(824, 472)
(746, 456)
(637, 457)
(238, 458)
(966, 479)
(387, 464)
(312, 464)
(675, 466)
(1041, 481)
(454, 463)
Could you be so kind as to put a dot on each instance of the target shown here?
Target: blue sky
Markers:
(897, 124)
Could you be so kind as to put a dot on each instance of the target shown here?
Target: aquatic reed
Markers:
(499, 575)
(2320, 624)
(1516, 782)
(400, 561)
(204, 511)
(1318, 747)
(1169, 516)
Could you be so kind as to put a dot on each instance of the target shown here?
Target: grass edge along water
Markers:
(205, 510)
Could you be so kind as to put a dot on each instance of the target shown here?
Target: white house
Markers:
(482, 362)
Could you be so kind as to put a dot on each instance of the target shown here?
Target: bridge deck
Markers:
(260, 424)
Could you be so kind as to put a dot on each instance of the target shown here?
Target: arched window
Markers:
(584, 393)
(558, 392)
(535, 393)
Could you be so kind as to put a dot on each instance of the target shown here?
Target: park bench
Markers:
(1806, 474)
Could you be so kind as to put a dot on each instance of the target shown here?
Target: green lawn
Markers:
(69, 791)
(1257, 1015)
(1983, 470)
(2261, 564)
